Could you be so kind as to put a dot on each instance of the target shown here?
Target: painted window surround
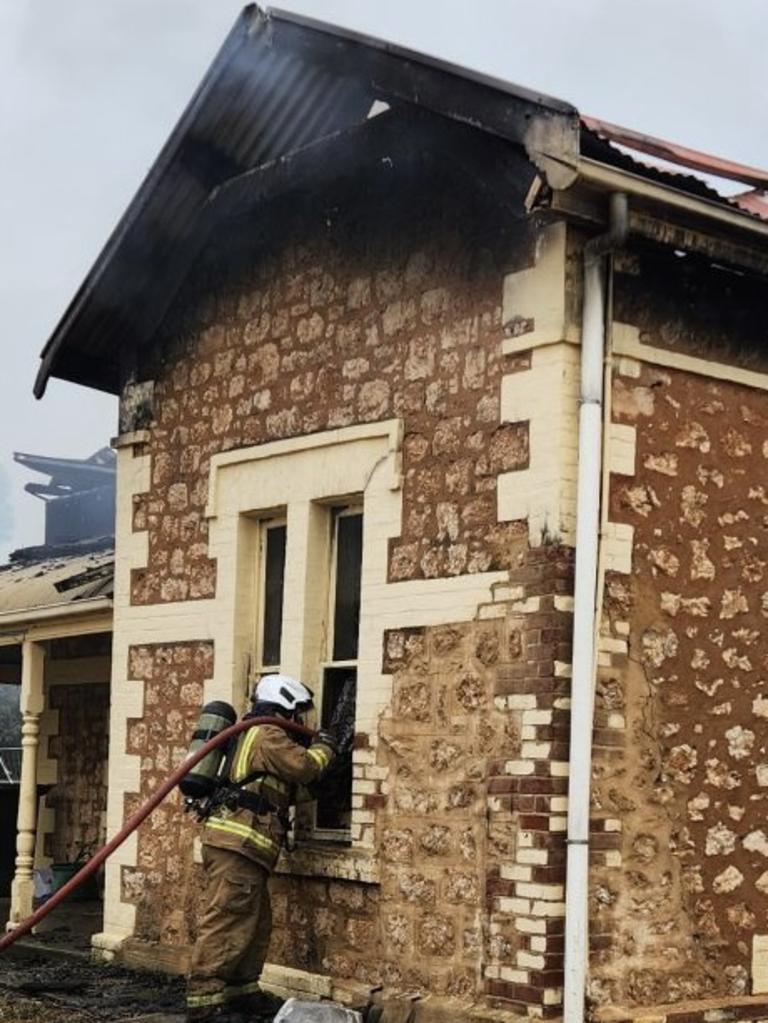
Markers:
(298, 477)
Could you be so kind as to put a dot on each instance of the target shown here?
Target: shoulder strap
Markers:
(253, 776)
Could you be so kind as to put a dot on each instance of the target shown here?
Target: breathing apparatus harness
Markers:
(209, 789)
(229, 795)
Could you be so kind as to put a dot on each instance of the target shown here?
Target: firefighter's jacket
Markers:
(286, 765)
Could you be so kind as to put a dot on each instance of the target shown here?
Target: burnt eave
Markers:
(278, 84)
(384, 145)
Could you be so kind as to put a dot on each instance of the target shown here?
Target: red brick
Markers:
(497, 786)
(548, 874)
(605, 840)
(534, 822)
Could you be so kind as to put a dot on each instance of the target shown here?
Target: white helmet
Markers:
(284, 691)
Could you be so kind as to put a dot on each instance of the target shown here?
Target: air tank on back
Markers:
(202, 779)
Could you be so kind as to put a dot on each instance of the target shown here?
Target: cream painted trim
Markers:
(46, 825)
(31, 705)
(60, 630)
(759, 964)
(47, 774)
(126, 695)
(618, 544)
(627, 342)
(614, 180)
(538, 293)
(127, 440)
(304, 481)
(76, 609)
(547, 396)
(284, 980)
(331, 862)
(621, 450)
(392, 429)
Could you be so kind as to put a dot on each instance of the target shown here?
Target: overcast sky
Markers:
(90, 89)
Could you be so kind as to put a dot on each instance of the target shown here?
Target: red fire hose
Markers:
(143, 812)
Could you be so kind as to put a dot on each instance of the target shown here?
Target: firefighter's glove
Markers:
(328, 737)
(342, 722)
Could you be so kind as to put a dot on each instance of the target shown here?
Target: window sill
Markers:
(334, 861)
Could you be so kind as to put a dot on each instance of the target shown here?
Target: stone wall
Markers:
(333, 324)
(165, 884)
(677, 910)
(467, 791)
(79, 797)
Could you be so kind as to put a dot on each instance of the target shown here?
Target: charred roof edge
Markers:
(470, 74)
(242, 26)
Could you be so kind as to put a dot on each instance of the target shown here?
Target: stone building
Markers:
(347, 317)
(55, 646)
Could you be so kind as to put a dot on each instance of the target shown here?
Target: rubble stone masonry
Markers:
(679, 910)
(165, 885)
(79, 797)
(402, 320)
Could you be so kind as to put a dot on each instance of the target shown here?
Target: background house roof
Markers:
(44, 577)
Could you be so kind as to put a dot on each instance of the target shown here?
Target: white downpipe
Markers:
(588, 493)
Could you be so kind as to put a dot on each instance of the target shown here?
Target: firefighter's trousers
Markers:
(234, 931)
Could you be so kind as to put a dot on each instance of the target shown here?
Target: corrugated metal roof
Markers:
(278, 84)
(682, 156)
(56, 579)
(255, 101)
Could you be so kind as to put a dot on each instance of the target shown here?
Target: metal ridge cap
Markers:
(608, 177)
(405, 53)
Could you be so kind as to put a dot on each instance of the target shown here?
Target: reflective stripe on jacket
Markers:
(286, 765)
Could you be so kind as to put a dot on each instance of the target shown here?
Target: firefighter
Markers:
(241, 844)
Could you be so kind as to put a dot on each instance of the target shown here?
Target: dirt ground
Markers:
(34, 989)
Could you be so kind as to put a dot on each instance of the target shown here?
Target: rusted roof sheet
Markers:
(279, 83)
(675, 153)
(754, 202)
(49, 578)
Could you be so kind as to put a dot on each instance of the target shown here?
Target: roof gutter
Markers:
(47, 612)
(612, 179)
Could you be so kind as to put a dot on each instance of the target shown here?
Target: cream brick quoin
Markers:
(546, 396)
(300, 477)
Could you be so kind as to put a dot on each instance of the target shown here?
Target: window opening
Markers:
(273, 537)
(334, 807)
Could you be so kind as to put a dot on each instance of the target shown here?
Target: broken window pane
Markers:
(274, 573)
(334, 806)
